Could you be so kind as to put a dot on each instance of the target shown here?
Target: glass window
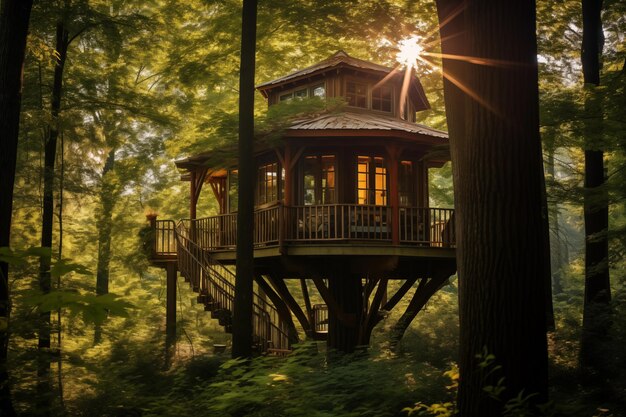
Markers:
(267, 183)
(318, 91)
(310, 174)
(371, 181)
(381, 99)
(406, 184)
(319, 183)
(285, 97)
(301, 93)
(356, 94)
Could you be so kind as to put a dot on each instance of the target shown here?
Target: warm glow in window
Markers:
(371, 171)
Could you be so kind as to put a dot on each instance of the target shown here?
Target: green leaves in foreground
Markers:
(92, 308)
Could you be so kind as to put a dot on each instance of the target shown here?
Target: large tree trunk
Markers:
(43, 366)
(242, 315)
(347, 291)
(597, 281)
(14, 16)
(496, 156)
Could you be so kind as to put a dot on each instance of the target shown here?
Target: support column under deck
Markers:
(343, 332)
(170, 299)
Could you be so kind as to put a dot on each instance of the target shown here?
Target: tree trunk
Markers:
(242, 315)
(107, 199)
(43, 366)
(347, 291)
(496, 157)
(14, 16)
(596, 311)
(556, 243)
(105, 225)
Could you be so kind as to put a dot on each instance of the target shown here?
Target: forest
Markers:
(508, 300)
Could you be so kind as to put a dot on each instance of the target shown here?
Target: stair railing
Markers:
(208, 276)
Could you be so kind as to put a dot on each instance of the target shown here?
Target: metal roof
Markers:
(334, 60)
(364, 121)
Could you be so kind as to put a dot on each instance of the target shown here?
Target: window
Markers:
(319, 183)
(371, 181)
(317, 90)
(381, 99)
(356, 94)
(406, 185)
(267, 183)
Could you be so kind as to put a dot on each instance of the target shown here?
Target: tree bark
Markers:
(107, 199)
(242, 315)
(50, 149)
(596, 320)
(493, 125)
(105, 226)
(14, 17)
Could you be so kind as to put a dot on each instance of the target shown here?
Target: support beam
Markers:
(395, 299)
(372, 315)
(170, 299)
(307, 301)
(334, 309)
(283, 291)
(425, 290)
(281, 307)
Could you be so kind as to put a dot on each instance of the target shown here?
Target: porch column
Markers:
(288, 197)
(193, 200)
(394, 198)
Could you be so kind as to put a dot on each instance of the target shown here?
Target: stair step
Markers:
(204, 298)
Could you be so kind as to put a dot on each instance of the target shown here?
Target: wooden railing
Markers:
(427, 226)
(320, 318)
(338, 222)
(164, 238)
(277, 225)
(216, 282)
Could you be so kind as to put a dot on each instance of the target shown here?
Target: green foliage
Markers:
(91, 308)
(304, 383)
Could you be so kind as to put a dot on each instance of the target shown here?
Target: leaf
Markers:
(64, 267)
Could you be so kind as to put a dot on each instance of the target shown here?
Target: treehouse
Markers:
(341, 204)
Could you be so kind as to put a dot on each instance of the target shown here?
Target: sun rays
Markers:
(415, 54)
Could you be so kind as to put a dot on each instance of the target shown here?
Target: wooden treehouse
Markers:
(341, 205)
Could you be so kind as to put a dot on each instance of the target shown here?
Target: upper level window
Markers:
(356, 94)
(381, 99)
(317, 90)
(267, 183)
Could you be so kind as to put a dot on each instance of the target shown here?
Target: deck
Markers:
(335, 229)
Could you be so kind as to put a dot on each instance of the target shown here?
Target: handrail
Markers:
(164, 238)
(209, 276)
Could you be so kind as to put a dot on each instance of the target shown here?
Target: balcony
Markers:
(335, 225)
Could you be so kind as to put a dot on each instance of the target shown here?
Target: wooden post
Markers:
(170, 299)
(288, 197)
(394, 198)
(192, 196)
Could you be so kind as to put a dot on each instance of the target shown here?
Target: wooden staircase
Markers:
(215, 285)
